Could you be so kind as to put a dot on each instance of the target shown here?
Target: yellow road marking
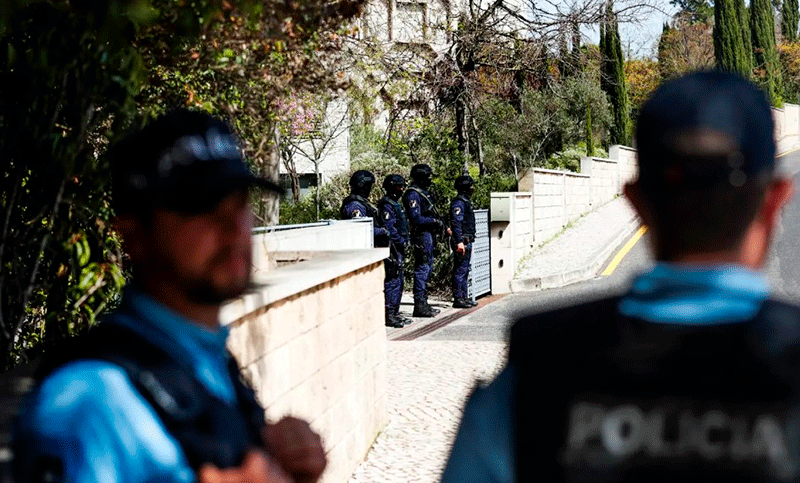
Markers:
(624, 251)
(780, 155)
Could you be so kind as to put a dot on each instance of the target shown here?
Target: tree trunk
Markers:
(270, 202)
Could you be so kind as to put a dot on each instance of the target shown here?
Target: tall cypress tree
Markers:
(747, 42)
(790, 17)
(613, 78)
(762, 26)
(729, 48)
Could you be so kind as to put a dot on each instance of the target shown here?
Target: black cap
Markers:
(184, 161)
(393, 181)
(705, 128)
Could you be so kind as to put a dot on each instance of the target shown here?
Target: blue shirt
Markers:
(483, 450)
(88, 414)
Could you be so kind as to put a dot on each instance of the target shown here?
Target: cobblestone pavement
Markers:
(428, 384)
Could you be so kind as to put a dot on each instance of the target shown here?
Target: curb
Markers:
(586, 272)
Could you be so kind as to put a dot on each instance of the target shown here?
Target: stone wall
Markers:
(311, 340)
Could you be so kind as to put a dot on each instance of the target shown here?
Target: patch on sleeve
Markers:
(386, 214)
(413, 203)
(457, 211)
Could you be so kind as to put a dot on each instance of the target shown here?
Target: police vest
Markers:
(425, 206)
(601, 397)
(468, 225)
(208, 429)
(372, 212)
(401, 225)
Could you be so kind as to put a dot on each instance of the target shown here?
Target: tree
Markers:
(789, 54)
(311, 135)
(694, 11)
(729, 47)
(762, 25)
(75, 70)
(642, 77)
(685, 47)
(790, 16)
(613, 78)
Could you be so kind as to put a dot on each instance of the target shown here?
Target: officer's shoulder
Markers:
(570, 323)
(79, 386)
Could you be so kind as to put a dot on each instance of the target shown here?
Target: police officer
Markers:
(426, 225)
(462, 223)
(692, 375)
(150, 393)
(394, 219)
(357, 205)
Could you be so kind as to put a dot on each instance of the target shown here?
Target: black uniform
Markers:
(394, 219)
(462, 223)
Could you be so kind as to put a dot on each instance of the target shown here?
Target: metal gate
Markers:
(479, 281)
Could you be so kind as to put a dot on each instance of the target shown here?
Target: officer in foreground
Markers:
(462, 223)
(394, 220)
(357, 205)
(426, 226)
(150, 393)
(692, 375)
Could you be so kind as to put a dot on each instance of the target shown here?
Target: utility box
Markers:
(500, 207)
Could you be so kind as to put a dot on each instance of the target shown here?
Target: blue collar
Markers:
(673, 294)
(204, 349)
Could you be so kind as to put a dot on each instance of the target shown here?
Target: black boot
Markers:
(394, 321)
(421, 310)
(473, 303)
(461, 304)
(432, 309)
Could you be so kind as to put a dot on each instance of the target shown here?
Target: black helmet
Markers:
(464, 183)
(422, 174)
(361, 182)
(393, 181)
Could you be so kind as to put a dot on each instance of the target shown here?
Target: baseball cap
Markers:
(705, 128)
(184, 161)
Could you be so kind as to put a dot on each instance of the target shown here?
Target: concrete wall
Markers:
(310, 337)
(510, 240)
(562, 196)
(556, 198)
(787, 126)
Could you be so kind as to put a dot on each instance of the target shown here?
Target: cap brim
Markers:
(267, 185)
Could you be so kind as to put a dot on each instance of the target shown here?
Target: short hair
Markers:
(706, 154)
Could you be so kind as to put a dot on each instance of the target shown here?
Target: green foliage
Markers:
(549, 118)
(570, 158)
(696, 11)
(767, 69)
(685, 47)
(790, 16)
(789, 55)
(730, 35)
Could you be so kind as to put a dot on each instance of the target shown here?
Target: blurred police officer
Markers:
(462, 224)
(394, 219)
(692, 375)
(150, 393)
(357, 205)
(426, 225)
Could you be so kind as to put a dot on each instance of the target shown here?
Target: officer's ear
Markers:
(633, 192)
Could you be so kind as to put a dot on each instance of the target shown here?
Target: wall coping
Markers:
(626, 148)
(604, 160)
(561, 172)
(283, 282)
(510, 194)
